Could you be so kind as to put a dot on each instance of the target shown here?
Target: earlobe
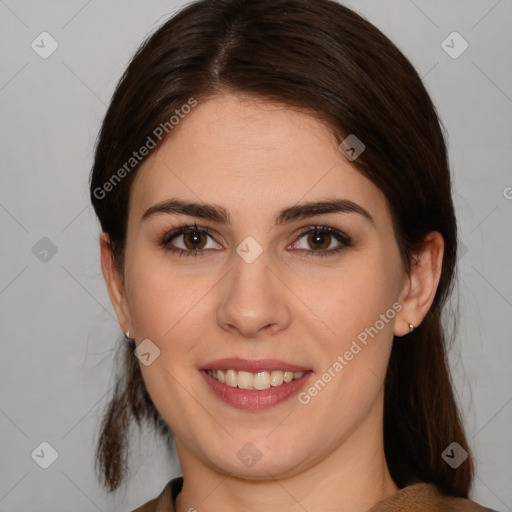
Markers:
(421, 285)
(114, 282)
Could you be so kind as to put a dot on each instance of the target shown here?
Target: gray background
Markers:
(58, 329)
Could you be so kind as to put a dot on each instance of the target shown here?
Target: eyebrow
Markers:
(221, 215)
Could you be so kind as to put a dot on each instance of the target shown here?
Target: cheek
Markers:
(153, 306)
(359, 307)
(357, 296)
(161, 297)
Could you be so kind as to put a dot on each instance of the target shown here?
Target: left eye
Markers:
(321, 239)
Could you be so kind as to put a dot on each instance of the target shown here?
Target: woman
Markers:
(297, 359)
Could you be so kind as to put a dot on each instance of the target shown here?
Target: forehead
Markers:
(253, 157)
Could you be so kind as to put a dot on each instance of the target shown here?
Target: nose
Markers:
(254, 301)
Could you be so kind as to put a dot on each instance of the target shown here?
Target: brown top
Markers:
(420, 497)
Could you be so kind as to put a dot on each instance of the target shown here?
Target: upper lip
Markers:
(253, 365)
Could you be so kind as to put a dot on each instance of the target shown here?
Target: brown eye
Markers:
(322, 241)
(194, 240)
(319, 240)
(189, 241)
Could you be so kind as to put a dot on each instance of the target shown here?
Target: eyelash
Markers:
(345, 240)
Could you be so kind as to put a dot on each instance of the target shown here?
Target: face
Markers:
(266, 283)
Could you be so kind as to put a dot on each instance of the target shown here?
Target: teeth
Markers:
(231, 377)
(244, 380)
(258, 381)
(261, 380)
(276, 378)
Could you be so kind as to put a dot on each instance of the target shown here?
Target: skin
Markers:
(254, 158)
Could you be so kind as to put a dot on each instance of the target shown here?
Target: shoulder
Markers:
(424, 497)
(164, 502)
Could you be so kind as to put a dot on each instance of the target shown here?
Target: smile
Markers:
(254, 381)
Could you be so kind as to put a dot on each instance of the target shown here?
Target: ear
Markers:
(421, 284)
(115, 284)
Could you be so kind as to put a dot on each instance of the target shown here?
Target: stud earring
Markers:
(127, 335)
(411, 327)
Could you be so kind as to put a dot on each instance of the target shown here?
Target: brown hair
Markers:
(322, 58)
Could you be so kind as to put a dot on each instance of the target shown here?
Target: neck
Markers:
(353, 478)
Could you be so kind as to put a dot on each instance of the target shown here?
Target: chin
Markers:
(257, 460)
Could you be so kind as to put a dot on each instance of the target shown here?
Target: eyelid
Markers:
(326, 229)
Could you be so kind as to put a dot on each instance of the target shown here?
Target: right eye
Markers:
(193, 240)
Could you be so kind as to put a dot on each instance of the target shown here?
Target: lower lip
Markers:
(252, 399)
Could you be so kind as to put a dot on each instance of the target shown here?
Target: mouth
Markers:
(254, 385)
